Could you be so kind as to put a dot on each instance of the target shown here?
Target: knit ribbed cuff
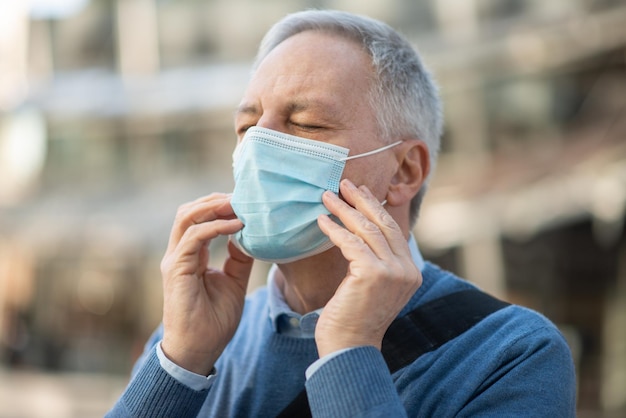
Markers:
(154, 393)
(354, 383)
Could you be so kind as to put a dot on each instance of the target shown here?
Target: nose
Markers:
(270, 121)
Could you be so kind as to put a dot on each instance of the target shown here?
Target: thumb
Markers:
(238, 265)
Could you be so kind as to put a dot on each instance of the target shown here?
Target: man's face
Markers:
(316, 86)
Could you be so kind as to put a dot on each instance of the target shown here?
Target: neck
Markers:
(309, 284)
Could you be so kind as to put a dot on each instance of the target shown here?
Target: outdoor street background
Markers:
(115, 112)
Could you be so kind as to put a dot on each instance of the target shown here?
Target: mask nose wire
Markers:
(376, 151)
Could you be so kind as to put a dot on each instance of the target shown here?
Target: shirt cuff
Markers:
(320, 362)
(190, 379)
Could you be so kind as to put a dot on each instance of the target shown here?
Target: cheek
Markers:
(371, 172)
(354, 171)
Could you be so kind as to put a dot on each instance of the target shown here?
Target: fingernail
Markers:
(330, 194)
(365, 190)
(348, 184)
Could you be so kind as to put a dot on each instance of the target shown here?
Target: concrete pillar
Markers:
(613, 382)
(137, 38)
(466, 118)
(482, 264)
(13, 53)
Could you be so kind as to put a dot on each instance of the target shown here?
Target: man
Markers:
(338, 133)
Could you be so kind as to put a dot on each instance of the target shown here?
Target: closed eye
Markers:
(307, 127)
(241, 131)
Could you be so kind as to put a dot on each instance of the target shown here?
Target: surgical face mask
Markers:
(279, 181)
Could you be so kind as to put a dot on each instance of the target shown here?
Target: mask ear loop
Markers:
(376, 151)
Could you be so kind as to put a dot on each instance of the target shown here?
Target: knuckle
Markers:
(193, 231)
(184, 208)
(364, 226)
(165, 264)
(182, 212)
(380, 270)
(387, 221)
(370, 228)
(401, 272)
(412, 276)
(354, 239)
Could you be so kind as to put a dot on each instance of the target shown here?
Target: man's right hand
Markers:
(202, 306)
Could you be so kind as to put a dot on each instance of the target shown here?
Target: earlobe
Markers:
(412, 171)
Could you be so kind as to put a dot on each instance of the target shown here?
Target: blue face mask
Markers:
(279, 181)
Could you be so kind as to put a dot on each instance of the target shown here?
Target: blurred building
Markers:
(114, 115)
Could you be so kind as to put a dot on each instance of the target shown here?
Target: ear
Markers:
(413, 168)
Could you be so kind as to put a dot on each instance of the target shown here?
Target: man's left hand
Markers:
(381, 275)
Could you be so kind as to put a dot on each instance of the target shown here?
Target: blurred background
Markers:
(115, 112)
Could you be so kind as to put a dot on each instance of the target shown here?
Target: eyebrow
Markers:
(246, 109)
(300, 106)
(293, 107)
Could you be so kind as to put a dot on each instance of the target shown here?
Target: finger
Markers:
(211, 197)
(352, 246)
(358, 224)
(368, 205)
(189, 249)
(215, 206)
(203, 262)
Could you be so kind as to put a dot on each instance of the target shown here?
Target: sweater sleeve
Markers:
(153, 392)
(354, 383)
(531, 375)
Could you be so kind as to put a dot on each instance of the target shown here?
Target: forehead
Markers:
(315, 65)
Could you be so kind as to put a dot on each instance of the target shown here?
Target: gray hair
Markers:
(405, 94)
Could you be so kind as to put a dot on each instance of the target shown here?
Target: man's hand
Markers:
(202, 306)
(381, 274)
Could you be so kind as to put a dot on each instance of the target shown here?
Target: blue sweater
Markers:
(513, 363)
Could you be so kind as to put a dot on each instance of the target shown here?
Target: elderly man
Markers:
(338, 132)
